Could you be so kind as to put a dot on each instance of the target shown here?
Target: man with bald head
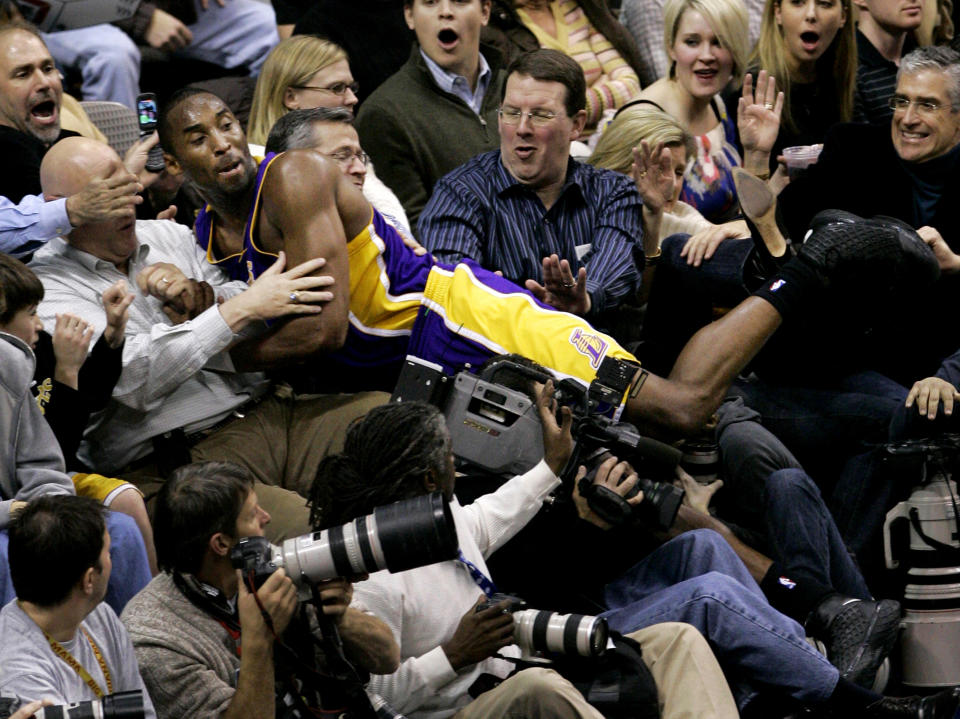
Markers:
(179, 397)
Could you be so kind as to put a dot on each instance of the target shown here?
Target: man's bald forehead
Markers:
(72, 162)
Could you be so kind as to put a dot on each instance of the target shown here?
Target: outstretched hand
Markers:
(758, 113)
(560, 289)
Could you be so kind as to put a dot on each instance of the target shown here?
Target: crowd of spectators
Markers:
(558, 193)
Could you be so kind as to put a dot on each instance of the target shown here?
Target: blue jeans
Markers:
(830, 430)
(805, 538)
(696, 578)
(130, 573)
(767, 492)
(240, 34)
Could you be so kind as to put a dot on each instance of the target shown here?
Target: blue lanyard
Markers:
(481, 579)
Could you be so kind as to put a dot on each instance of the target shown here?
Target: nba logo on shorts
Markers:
(589, 344)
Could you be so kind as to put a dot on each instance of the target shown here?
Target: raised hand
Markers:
(71, 341)
(758, 114)
(116, 303)
(652, 171)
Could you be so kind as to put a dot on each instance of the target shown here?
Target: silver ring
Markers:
(768, 106)
(164, 279)
(570, 284)
(295, 297)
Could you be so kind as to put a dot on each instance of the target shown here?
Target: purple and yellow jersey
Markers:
(251, 261)
(454, 316)
(470, 314)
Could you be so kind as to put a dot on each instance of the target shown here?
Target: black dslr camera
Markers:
(494, 427)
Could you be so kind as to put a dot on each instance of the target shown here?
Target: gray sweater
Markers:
(32, 464)
(416, 133)
(187, 659)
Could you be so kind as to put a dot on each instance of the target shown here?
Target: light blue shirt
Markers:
(26, 227)
(457, 84)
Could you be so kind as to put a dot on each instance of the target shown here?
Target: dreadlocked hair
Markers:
(385, 458)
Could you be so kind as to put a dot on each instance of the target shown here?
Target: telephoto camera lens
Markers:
(543, 631)
(399, 536)
(120, 705)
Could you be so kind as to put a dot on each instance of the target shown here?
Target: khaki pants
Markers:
(281, 441)
(689, 683)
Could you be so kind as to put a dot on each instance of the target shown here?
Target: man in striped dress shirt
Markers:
(570, 232)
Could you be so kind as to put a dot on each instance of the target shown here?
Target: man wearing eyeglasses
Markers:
(440, 108)
(568, 231)
(909, 170)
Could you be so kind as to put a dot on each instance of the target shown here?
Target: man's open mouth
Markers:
(447, 38)
(228, 166)
(44, 111)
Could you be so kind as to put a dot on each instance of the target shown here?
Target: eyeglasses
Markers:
(924, 107)
(538, 118)
(344, 156)
(338, 88)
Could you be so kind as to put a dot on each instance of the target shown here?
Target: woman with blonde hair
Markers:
(707, 43)
(810, 47)
(639, 124)
(300, 73)
(305, 72)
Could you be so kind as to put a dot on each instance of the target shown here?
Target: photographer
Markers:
(188, 624)
(447, 647)
(58, 640)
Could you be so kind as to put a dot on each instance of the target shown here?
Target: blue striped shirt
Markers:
(457, 85)
(482, 212)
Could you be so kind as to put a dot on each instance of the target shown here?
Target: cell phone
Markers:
(147, 119)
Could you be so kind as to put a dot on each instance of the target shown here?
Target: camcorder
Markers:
(539, 632)
(398, 536)
(120, 705)
(495, 428)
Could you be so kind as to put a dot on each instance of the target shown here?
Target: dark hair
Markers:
(552, 66)
(164, 131)
(54, 540)
(198, 501)
(19, 288)
(385, 458)
(294, 131)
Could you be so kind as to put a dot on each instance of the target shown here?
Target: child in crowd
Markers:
(71, 383)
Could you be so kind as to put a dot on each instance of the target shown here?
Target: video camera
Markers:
(120, 705)
(398, 536)
(496, 428)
